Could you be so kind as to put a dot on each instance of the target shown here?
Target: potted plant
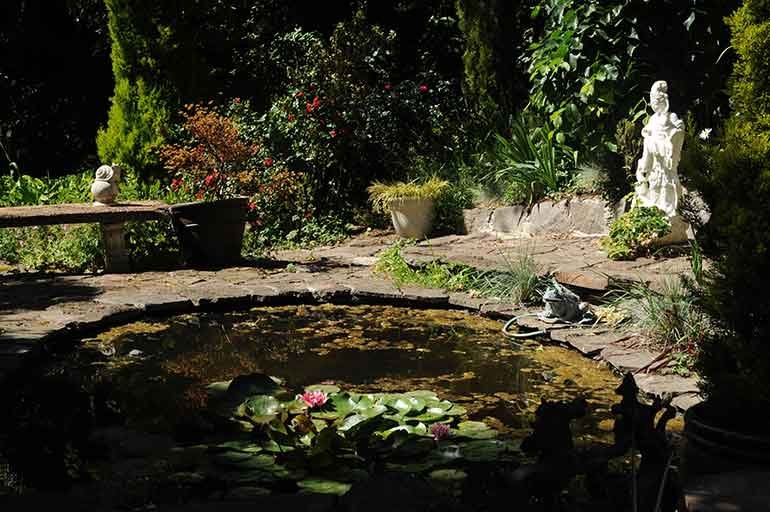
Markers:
(731, 429)
(411, 205)
(212, 164)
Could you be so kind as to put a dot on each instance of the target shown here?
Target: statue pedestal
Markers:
(680, 232)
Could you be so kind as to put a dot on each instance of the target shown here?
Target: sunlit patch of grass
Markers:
(519, 283)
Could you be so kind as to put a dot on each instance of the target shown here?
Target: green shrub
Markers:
(735, 360)
(491, 36)
(531, 163)
(635, 232)
(76, 248)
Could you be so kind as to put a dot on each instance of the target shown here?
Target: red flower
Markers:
(333, 133)
(176, 183)
(308, 107)
(315, 105)
(423, 88)
(387, 87)
(290, 118)
(299, 94)
(252, 205)
(268, 162)
(236, 100)
(209, 180)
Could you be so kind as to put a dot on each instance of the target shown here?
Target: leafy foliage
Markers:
(582, 66)
(532, 163)
(736, 188)
(295, 438)
(635, 232)
(215, 156)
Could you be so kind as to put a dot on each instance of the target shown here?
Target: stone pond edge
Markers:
(30, 347)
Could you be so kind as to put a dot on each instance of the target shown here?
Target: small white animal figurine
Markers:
(105, 186)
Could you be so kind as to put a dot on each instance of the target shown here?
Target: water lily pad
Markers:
(448, 475)
(239, 446)
(475, 430)
(422, 393)
(484, 450)
(352, 421)
(456, 410)
(260, 408)
(321, 486)
(408, 405)
(420, 429)
(326, 388)
(253, 384)
(431, 414)
(372, 411)
(338, 406)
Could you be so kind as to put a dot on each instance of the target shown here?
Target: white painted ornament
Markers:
(105, 188)
(657, 180)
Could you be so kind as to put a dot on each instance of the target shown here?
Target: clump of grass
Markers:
(382, 194)
(520, 283)
(670, 318)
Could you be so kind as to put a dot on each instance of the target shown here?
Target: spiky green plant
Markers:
(382, 195)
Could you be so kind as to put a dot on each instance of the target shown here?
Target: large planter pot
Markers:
(412, 218)
(211, 232)
(711, 447)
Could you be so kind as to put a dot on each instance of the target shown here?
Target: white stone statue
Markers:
(657, 181)
(105, 186)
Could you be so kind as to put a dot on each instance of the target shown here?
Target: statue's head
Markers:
(104, 173)
(659, 97)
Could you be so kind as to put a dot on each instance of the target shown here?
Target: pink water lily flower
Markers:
(313, 399)
(440, 431)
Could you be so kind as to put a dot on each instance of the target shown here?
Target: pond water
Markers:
(139, 392)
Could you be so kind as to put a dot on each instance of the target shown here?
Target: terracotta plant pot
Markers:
(712, 447)
(211, 232)
(412, 218)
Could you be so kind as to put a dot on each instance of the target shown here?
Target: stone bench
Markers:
(111, 218)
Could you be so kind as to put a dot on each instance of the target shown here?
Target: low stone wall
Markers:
(580, 216)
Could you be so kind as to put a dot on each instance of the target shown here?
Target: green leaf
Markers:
(420, 429)
(238, 446)
(485, 450)
(260, 409)
(326, 388)
(338, 406)
(321, 486)
(475, 430)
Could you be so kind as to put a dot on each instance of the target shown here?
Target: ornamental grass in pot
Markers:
(212, 163)
(411, 204)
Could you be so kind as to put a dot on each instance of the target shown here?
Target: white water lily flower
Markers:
(705, 134)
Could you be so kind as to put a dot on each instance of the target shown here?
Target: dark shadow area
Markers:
(40, 291)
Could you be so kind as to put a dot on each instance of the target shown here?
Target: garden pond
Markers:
(149, 412)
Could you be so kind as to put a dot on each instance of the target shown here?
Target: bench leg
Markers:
(115, 253)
